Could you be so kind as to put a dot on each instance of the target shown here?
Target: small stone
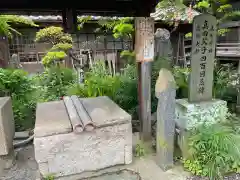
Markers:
(21, 135)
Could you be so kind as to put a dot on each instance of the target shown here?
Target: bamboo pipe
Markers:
(83, 114)
(73, 115)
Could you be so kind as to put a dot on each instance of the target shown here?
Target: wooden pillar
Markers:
(70, 26)
(238, 93)
(4, 52)
(144, 48)
(69, 20)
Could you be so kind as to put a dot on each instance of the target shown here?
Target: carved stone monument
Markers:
(6, 133)
(202, 59)
(94, 135)
(163, 46)
(200, 107)
(166, 93)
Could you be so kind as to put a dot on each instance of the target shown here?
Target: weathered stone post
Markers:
(6, 133)
(166, 93)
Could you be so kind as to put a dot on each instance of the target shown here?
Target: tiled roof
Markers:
(161, 14)
(43, 18)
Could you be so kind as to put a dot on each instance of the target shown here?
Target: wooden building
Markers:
(30, 53)
(69, 11)
(100, 44)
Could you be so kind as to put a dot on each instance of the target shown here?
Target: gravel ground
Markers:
(123, 175)
(25, 167)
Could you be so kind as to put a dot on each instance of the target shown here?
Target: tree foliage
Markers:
(53, 35)
(119, 27)
(221, 9)
(61, 42)
(172, 11)
(6, 22)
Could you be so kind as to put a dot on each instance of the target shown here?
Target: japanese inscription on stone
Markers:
(202, 57)
(144, 42)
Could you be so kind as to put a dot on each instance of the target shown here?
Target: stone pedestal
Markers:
(6, 133)
(191, 115)
(59, 151)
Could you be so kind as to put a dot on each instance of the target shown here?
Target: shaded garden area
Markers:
(57, 82)
(214, 149)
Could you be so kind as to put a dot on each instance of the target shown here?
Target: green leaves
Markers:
(54, 83)
(141, 149)
(214, 151)
(224, 8)
(203, 4)
(6, 21)
(17, 85)
(60, 41)
(53, 35)
(51, 57)
(61, 47)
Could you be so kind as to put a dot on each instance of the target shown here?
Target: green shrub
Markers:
(225, 87)
(61, 42)
(51, 57)
(214, 151)
(127, 94)
(54, 82)
(121, 88)
(98, 82)
(17, 85)
(141, 149)
(181, 76)
(53, 35)
(224, 82)
(128, 56)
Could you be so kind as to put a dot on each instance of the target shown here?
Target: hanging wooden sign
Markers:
(144, 39)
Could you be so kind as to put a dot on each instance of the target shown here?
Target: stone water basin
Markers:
(120, 175)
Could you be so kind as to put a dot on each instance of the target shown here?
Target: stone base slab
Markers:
(68, 154)
(191, 115)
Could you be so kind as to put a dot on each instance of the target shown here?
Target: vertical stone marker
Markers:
(166, 93)
(202, 57)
